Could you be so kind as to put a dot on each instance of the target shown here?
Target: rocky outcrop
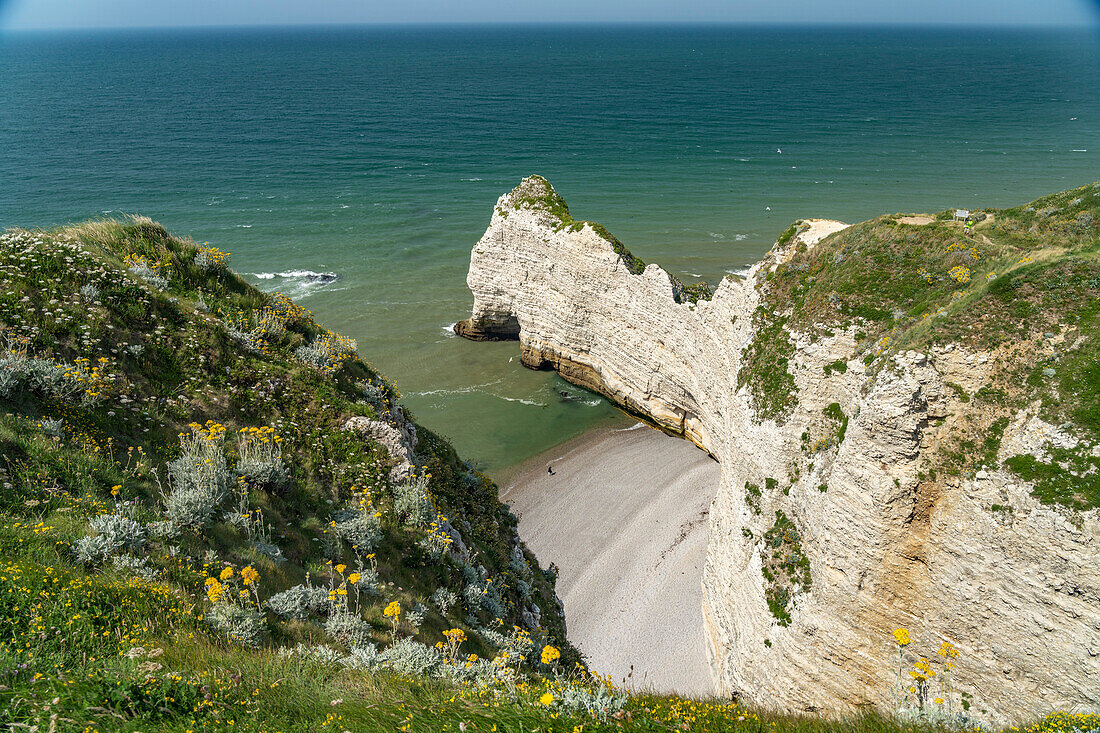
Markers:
(828, 531)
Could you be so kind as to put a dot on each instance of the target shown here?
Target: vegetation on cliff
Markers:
(535, 192)
(1019, 285)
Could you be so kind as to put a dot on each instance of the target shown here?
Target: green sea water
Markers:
(354, 169)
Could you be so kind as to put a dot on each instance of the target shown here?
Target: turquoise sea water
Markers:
(377, 154)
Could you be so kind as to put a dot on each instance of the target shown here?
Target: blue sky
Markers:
(16, 14)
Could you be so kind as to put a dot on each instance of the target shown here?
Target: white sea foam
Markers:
(635, 426)
(450, 330)
(298, 283)
(742, 272)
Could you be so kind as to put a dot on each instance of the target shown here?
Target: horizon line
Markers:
(715, 24)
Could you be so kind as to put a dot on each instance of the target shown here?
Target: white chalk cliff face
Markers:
(870, 544)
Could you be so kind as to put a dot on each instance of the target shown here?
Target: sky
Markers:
(69, 14)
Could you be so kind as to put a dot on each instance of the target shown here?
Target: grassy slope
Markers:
(1010, 286)
(95, 648)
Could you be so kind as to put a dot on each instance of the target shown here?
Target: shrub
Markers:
(365, 657)
(416, 614)
(127, 533)
(412, 502)
(52, 427)
(349, 629)
(95, 550)
(242, 624)
(113, 533)
(369, 582)
(443, 599)
(327, 352)
(413, 659)
(261, 457)
(211, 259)
(134, 565)
(298, 602)
(318, 653)
(151, 272)
(599, 701)
(19, 371)
(199, 478)
(361, 529)
(90, 293)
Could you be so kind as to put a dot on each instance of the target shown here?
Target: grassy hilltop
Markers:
(215, 516)
(1022, 285)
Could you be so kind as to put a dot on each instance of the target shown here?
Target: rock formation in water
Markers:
(908, 422)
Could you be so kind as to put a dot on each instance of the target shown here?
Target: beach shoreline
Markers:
(625, 518)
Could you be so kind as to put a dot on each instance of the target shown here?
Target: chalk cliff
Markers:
(900, 448)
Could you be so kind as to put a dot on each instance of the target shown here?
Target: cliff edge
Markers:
(907, 416)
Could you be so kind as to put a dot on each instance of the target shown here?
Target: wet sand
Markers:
(625, 519)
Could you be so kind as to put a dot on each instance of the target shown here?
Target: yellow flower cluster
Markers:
(549, 654)
(211, 258)
(902, 636)
(211, 432)
(92, 377)
(393, 610)
(960, 274)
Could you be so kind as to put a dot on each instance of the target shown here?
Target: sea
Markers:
(354, 168)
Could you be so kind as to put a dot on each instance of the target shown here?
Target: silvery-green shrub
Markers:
(434, 545)
(413, 659)
(127, 533)
(243, 625)
(599, 701)
(366, 658)
(349, 629)
(162, 530)
(373, 393)
(270, 551)
(411, 502)
(94, 550)
(134, 565)
(369, 582)
(90, 293)
(19, 371)
(318, 653)
(416, 614)
(443, 599)
(299, 601)
(362, 530)
(315, 354)
(52, 427)
(150, 276)
(200, 482)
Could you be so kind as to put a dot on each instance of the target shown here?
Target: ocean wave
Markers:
(516, 399)
(742, 272)
(471, 179)
(635, 426)
(297, 283)
(449, 331)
